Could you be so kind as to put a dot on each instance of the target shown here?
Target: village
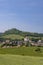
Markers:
(26, 42)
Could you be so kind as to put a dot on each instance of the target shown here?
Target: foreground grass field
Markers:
(24, 51)
(20, 60)
(21, 56)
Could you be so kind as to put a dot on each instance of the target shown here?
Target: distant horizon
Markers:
(25, 15)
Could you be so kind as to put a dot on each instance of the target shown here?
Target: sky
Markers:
(25, 15)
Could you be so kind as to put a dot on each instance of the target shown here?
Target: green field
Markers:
(13, 36)
(21, 56)
(16, 36)
(20, 60)
(26, 51)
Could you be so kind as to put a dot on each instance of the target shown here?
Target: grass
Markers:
(24, 51)
(13, 36)
(21, 56)
(20, 60)
(16, 36)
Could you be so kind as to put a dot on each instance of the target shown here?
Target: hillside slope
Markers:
(17, 34)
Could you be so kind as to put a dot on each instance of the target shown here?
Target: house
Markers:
(20, 43)
(26, 41)
(34, 43)
(40, 42)
(7, 41)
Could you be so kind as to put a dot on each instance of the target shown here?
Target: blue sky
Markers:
(26, 15)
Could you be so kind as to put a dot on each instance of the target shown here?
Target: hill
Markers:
(17, 34)
(13, 31)
(12, 36)
(16, 31)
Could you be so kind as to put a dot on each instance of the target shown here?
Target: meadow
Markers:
(20, 60)
(24, 51)
(12, 36)
(21, 56)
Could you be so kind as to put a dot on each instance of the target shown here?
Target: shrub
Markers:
(38, 50)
